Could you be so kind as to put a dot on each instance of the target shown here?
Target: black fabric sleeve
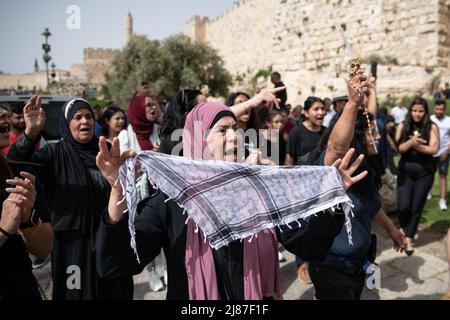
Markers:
(115, 257)
(25, 150)
(41, 209)
(314, 239)
(283, 97)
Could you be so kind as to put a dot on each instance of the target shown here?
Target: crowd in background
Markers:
(75, 192)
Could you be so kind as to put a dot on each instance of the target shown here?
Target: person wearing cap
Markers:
(399, 112)
(77, 195)
(339, 101)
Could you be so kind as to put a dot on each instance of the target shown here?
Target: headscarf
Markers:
(87, 151)
(261, 268)
(141, 126)
(198, 122)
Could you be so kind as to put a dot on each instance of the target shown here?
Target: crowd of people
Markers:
(64, 198)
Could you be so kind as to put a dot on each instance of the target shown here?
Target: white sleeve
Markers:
(124, 141)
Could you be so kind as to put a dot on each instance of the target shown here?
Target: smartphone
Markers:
(373, 68)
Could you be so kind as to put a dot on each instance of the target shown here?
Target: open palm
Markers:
(346, 172)
(109, 161)
(34, 116)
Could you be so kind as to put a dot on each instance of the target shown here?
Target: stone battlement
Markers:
(299, 39)
(94, 55)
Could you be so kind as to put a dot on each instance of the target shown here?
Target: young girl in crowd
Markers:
(272, 144)
(236, 98)
(306, 136)
(113, 122)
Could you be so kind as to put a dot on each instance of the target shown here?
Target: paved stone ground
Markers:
(423, 276)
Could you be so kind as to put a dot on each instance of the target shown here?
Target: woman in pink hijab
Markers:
(241, 270)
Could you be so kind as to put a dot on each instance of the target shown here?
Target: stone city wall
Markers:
(299, 39)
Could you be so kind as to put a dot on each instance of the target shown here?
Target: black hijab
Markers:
(87, 151)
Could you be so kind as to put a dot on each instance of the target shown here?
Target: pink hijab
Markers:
(261, 268)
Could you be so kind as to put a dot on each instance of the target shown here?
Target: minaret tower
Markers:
(36, 66)
(129, 26)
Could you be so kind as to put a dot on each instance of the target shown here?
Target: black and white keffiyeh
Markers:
(230, 201)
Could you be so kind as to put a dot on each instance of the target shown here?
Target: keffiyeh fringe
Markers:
(211, 191)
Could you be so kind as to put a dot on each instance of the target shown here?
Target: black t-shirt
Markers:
(301, 141)
(447, 94)
(16, 279)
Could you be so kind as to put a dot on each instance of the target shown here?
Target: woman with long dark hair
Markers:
(236, 98)
(271, 141)
(112, 122)
(174, 117)
(418, 140)
(306, 135)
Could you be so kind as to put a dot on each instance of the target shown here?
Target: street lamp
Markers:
(53, 74)
(46, 47)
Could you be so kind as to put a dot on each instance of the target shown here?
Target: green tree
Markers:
(168, 66)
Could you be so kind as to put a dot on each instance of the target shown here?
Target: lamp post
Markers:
(46, 47)
(53, 74)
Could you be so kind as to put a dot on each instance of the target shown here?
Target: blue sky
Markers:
(102, 25)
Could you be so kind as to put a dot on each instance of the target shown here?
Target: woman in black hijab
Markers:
(77, 195)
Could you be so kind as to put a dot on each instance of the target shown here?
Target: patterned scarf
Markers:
(230, 201)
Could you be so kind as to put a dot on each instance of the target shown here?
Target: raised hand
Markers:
(25, 191)
(109, 161)
(34, 117)
(347, 172)
(11, 214)
(357, 88)
(17, 207)
(266, 97)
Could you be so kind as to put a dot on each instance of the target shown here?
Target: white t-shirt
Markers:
(399, 114)
(328, 117)
(444, 133)
(128, 139)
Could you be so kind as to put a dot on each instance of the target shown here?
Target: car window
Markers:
(52, 112)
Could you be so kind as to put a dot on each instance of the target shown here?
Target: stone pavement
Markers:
(422, 276)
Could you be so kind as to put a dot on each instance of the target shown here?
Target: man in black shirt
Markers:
(447, 91)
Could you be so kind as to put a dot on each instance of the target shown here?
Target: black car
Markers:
(52, 106)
